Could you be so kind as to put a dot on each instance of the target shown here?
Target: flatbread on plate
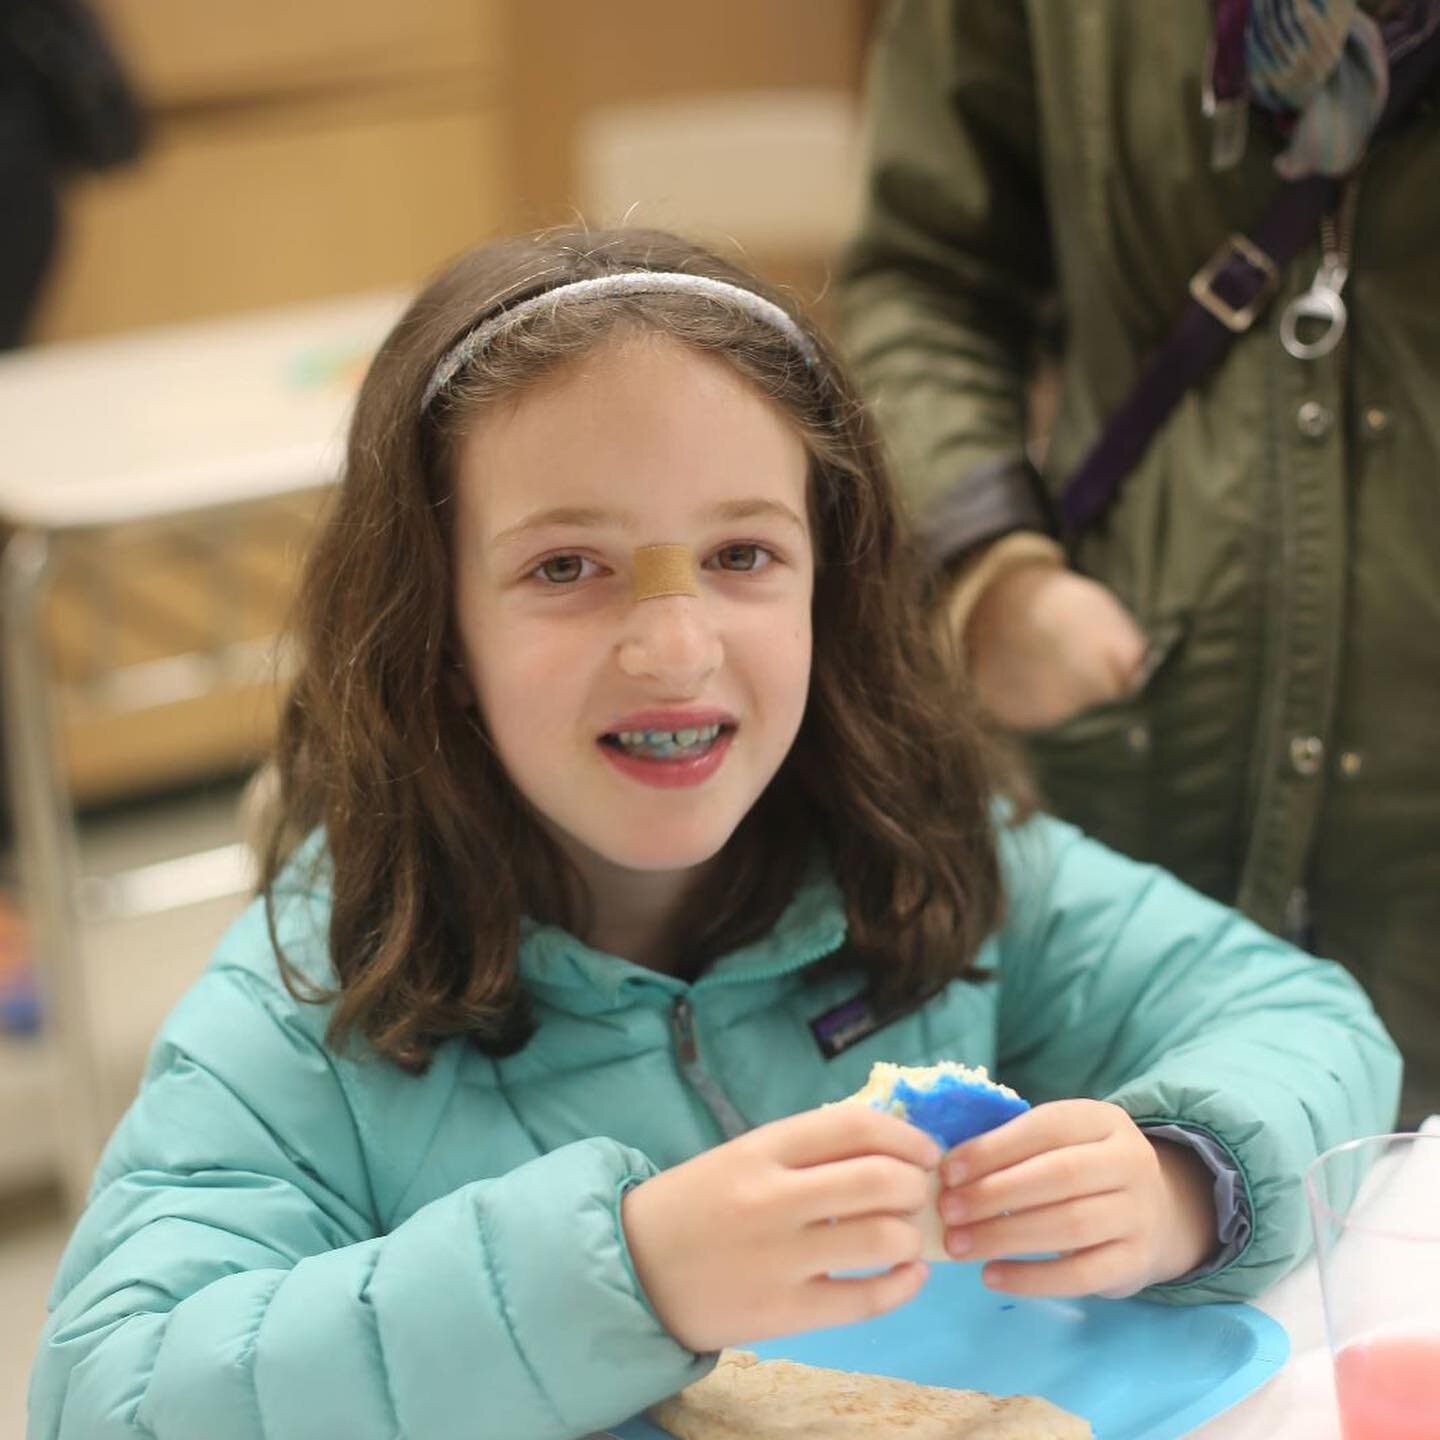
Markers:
(745, 1398)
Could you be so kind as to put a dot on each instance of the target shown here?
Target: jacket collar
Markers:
(561, 969)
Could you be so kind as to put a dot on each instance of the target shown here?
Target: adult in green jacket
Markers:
(1278, 547)
(284, 1244)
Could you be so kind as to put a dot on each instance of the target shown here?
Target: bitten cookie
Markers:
(950, 1102)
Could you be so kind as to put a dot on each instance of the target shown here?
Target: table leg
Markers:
(45, 841)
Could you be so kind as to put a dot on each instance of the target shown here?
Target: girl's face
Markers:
(641, 442)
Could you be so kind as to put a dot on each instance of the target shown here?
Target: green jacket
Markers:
(283, 1244)
(1279, 543)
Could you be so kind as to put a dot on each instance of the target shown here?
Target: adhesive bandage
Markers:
(664, 570)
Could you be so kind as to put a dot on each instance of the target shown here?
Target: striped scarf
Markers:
(1320, 65)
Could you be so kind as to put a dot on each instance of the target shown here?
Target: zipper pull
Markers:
(1321, 303)
(1332, 274)
(727, 1118)
(682, 1026)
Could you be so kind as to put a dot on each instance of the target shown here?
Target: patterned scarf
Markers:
(1320, 65)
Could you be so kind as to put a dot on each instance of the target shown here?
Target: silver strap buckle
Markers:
(1238, 318)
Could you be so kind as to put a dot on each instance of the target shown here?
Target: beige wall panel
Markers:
(574, 56)
(181, 52)
(107, 757)
(223, 218)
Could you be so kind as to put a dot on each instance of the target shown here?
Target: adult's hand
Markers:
(1044, 643)
(743, 1242)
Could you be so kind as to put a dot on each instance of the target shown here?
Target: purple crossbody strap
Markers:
(1227, 296)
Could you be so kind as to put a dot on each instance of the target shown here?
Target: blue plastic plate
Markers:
(1134, 1370)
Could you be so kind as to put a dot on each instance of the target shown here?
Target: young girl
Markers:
(624, 819)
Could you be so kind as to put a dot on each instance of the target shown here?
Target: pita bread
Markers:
(745, 1398)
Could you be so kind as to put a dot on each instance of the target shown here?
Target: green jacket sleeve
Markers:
(229, 1278)
(1120, 983)
(939, 290)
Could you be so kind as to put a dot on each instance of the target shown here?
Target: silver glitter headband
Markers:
(633, 282)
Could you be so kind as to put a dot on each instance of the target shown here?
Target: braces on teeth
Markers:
(668, 742)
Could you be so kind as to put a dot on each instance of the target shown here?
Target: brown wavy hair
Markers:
(433, 856)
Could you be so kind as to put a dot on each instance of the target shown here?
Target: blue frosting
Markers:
(952, 1109)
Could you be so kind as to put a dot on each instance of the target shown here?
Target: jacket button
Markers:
(1351, 763)
(1314, 420)
(1307, 754)
(1137, 739)
(1375, 422)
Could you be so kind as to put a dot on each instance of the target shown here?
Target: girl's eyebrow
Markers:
(755, 509)
(589, 517)
(579, 516)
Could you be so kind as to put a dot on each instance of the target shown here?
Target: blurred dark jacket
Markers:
(65, 104)
(1280, 539)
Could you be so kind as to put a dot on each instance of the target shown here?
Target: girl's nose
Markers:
(671, 641)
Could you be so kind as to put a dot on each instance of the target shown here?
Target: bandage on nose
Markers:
(664, 570)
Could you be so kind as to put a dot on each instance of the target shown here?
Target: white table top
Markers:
(1299, 1404)
(186, 418)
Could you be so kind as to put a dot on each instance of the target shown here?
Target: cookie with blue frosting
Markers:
(951, 1103)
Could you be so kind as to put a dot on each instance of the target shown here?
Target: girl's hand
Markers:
(1078, 1177)
(1045, 643)
(740, 1242)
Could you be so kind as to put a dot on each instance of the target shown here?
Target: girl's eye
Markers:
(743, 557)
(564, 569)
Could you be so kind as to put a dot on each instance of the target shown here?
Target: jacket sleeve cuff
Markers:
(990, 501)
(977, 574)
(1233, 1219)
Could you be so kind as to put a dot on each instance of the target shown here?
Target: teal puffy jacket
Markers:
(282, 1244)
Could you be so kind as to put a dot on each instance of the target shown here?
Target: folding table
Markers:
(194, 423)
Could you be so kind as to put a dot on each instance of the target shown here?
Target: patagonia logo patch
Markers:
(837, 1030)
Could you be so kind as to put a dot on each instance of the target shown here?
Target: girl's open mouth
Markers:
(668, 757)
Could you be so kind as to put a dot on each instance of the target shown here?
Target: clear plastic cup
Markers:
(1375, 1204)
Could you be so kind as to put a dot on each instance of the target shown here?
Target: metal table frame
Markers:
(39, 517)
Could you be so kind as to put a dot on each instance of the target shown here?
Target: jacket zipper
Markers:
(1337, 229)
(682, 1029)
(687, 1044)
(687, 1055)
(1337, 245)
(1321, 302)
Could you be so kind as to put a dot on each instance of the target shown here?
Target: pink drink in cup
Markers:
(1389, 1389)
(1377, 1237)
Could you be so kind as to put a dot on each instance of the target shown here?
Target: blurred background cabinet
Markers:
(298, 150)
(307, 148)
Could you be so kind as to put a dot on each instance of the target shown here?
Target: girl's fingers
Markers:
(1046, 1179)
(1073, 1225)
(871, 1185)
(845, 1132)
(1060, 1124)
(870, 1243)
(1105, 1269)
(828, 1301)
